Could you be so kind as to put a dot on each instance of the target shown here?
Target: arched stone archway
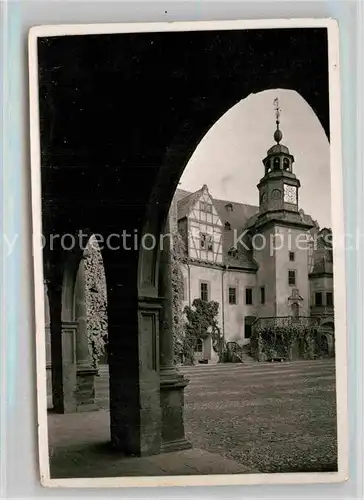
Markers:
(68, 355)
(117, 179)
(326, 339)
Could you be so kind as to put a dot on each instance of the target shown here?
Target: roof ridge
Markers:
(216, 199)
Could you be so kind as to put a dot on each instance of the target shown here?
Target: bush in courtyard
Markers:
(201, 322)
(278, 341)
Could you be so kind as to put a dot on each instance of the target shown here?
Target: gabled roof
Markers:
(323, 266)
(186, 201)
(237, 217)
(307, 219)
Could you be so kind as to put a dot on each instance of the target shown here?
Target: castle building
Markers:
(262, 261)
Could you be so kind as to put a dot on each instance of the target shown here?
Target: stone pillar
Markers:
(135, 412)
(85, 393)
(172, 383)
(62, 353)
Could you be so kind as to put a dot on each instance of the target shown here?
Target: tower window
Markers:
(262, 295)
(329, 299)
(232, 295)
(204, 291)
(318, 299)
(248, 296)
(291, 256)
(292, 278)
(227, 225)
(276, 164)
(285, 164)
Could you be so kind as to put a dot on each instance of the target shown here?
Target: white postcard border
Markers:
(339, 255)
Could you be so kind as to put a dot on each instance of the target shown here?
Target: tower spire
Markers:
(277, 134)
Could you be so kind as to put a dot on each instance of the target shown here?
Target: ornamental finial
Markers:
(277, 134)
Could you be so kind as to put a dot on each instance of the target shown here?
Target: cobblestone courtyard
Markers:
(276, 417)
(269, 417)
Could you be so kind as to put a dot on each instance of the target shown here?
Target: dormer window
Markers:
(227, 226)
(229, 207)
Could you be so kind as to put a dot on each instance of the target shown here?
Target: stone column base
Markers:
(172, 386)
(176, 445)
(85, 392)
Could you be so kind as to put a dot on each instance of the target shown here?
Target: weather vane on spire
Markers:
(277, 109)
(277, 133)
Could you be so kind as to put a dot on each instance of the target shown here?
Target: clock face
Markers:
(290, 194)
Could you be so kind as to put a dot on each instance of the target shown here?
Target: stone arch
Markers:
(135, 189)
(326, 337)
(69, 357)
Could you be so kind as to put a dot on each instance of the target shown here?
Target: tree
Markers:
(201, 322)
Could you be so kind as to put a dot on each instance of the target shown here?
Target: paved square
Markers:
(259, 417)
(271, 417)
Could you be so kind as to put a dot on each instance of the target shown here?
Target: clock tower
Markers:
(279, 232)
(278, 189)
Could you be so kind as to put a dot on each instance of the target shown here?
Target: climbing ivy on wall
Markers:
(178, 326)
(272, 342)
(96, 300)
(194, 322)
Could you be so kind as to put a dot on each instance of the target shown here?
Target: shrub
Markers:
(278, 340)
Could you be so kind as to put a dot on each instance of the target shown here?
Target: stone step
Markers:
(249, 369)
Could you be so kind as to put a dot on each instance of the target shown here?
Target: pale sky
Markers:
(229, 157)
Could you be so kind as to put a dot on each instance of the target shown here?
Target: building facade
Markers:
(264, 261)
